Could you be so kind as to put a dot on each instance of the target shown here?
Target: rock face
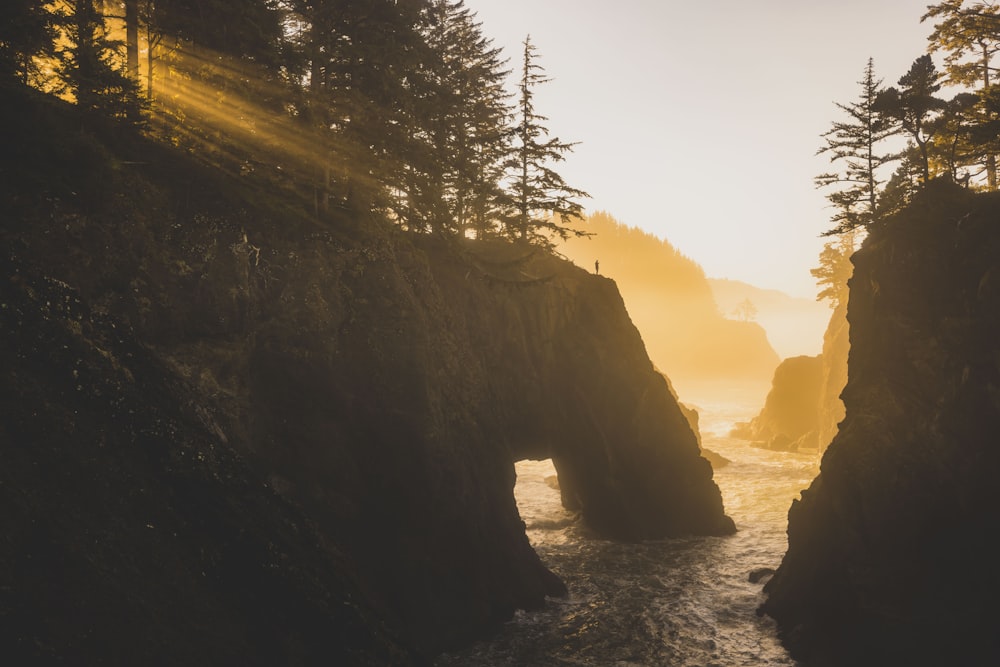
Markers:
(889, 558)
(803, 408)
(324, 417)
(132, 533)
(790, 417)
(671, 301)
(836, 347)
(396, 403)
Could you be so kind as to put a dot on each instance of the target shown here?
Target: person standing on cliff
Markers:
(597, 267)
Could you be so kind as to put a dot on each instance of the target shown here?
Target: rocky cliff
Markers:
(790, 417)
(890, 558)
(133, 534)
(803, 408)
(303, 432)
(670, 300)
(836, 348)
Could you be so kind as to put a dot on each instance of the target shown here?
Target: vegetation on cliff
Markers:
(309, 404)
(392, 108)
(889, 558)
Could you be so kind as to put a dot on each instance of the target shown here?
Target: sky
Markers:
(699, 121)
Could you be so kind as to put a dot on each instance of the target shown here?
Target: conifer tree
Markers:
(90, 63)
(540, 201)
(855, 144)
(26, 30)
(914, 106)
(835, 269)
(970, 38)
(468, 116)
(956, 134)
(363, 71)
(903, 184)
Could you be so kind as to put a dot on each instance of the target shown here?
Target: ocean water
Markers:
(680, 602)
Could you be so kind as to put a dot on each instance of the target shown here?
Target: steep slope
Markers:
(132, 533)
(890, 557)
(836, 348)
(347, 399)
(671, 303)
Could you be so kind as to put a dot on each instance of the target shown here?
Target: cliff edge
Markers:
(336, 405)
(889, 558)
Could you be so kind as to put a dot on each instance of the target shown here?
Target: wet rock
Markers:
(759, 574)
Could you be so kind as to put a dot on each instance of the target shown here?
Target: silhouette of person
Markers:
(597, 267)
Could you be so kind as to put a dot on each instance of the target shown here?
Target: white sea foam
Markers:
(685, 602)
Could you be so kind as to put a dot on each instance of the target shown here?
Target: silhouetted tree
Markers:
(955, 130)
(746, 311)
(249, 29)
(835, 269)
(468, 116)
(364, 73)
(914, 106)
(541, 201)
(903, 183)
(27, 30)
(91, 64)
(970, 37)
(854, 144)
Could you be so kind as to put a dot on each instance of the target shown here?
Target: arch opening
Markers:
(537, 494)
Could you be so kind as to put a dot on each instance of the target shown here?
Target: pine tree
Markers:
(955, 135)
(903, 184)
(541, 203)
(970, 37)
(90, 62)
(362, 76)
(835, 269)
(27, 30)
(464, 120)
(854, 143)
(914, 106)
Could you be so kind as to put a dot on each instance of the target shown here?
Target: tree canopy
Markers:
(397, 109)
(855, 143)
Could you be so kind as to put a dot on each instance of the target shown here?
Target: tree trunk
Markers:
(991, 159)
(132, 39)
(151, 42)
(317, 89)
(85, 54)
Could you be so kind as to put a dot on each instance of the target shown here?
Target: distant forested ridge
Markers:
(671, 302)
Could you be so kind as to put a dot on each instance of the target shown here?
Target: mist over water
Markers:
(681, 602)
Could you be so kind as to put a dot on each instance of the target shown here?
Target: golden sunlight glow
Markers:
(212, 107)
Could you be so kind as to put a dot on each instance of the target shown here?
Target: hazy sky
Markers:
(698, 121)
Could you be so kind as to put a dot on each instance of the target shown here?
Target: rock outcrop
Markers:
(836, 347)
(364, 391)
(789, 419)
(670, 300)
(132, 533)
(890, 557)
(803, 408)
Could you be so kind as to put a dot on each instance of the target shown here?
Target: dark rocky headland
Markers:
(235, 434)
(891, 557)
